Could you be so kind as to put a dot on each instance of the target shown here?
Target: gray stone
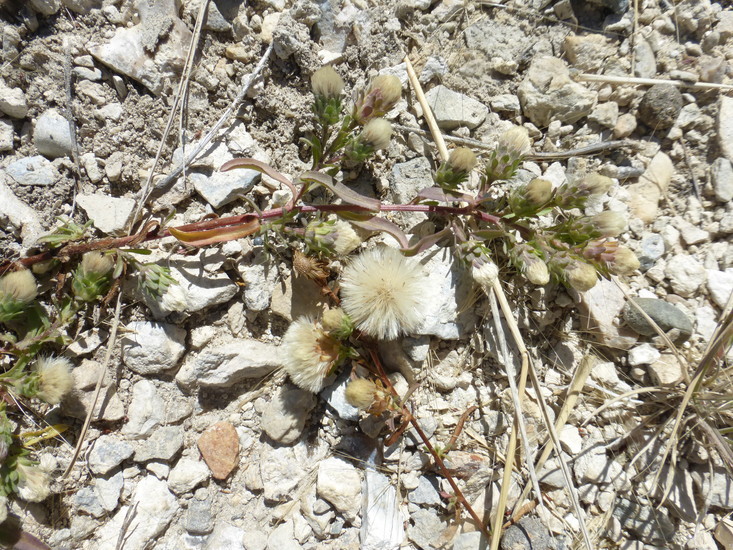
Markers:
(85, 500)
(111, 111)
(285, 416)
(470, 541)
(650, 525)
(7, 133)
(12, 101)
(725, 126)
(199, 519)
(434, 67)
(680, 499)
(52, 135)
(660, 106)
(146, 410)
(718, 488)
(426, 528)
(335, 395)
(408, 178)
(82, 6)
(548, 93)
(109, 214)
(426, 492)
(228, 364)
(339, 483)
(666, 371)
(91, 167)
(448, 285)
(283, 468)
(720, 286)
(186, 475)
(651, 248)
(152, 348)
(527, 533)
(260, 278)
(15, 214)
(686, 274)
(452, 109)
(706, 321)
(587, 52)
(506, 103)
(224, 187)
(663, 313)
(226, 536)
(163, 444)
(646, 64)
(36, 170)
(599, 310)
(690, 233)
(722, 177)
(108, 452)
(155, 507)
(109, 490)
(85, 73)
(605, 114)
(689, 116)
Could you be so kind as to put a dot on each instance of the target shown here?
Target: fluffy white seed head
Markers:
(326, 82)
(609, 224)
(346, 238)
(485, 274)
(174, 298)
(377, 133)
(19, 286)
(383, 292)
(360, 393)
(515, 141)
(55, 378)
(34, 483)
(308, 354)
(96, 262)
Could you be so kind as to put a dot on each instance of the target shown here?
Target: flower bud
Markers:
(478, 258)
(377, 133)
(596, 184)
(360, 393)
(327, 83)
(34, 482)
(383, 92)
(538, 191)
(624, 261)
(92, 276)
(17, 290)
(580, 275)
(54, 379)
(609, 224)
(505, 159)
(331, 237)
(576, 194)
(462, 159)
(529, 261)
(337, 323)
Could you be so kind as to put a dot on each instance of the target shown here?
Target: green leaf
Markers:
(347, 195)
(253, 164)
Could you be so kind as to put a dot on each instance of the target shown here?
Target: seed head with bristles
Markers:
(54, 379)
(360, 393)
(383, 292)
(376, 134)
(19, 286)
(624, 261)
(34, 481)
(462, 159)
(580, 275)
(538, 191)
(327, 83)
(609, 224)
(309, 354)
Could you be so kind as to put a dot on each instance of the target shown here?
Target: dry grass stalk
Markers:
(584, 77)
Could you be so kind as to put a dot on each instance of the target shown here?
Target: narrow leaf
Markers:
(341, 191)
(262, 167)
(426, 242)
(441, 195)
(380, 224)
(218, 235)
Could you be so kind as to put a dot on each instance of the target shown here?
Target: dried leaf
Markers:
(217, 235)
(341, 191)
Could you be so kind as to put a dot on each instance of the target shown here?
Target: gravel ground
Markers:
(201, 441)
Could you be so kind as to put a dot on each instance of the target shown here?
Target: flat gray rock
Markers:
(285, 416)
(152, 348)
(722, 176)
(52, 135)
(36, 170)
(108, 452)
(163, 444)
(663, 313)
(427, 527)
(221, 188)
(146, 410)
(108, 214)
(12, 101)
(15, 214)
(453, 110)
(228, 364)
(187, 474)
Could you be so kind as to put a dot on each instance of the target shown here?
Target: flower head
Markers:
(581, 276)
(309, 354)
(504, 160)
(376, 134)
(327, 83)
(174, 298)
(360, 393)
(383, 292)
(529, 261)
(34, 482)
(54, 379)
(92, 276)
(575, 194)
(383, 92)
(538, 191)
(17, 290)
(337, 323)
(462, 159)
(609, 224)
(623, 262)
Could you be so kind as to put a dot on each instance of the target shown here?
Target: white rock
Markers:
(283, 536)
(285, 416)
(452, 109)
(691, 234)
(506, 103)
(686, 274)
(645, 354)
(111, 111)
(706, 322)
(91, 167)
(725, 126)
(152, 348)
(605, 374)
(666, 371)
(339, 483)
(52, 135)
(720, 286)
(155, 507)
(12, 101)
(146, 410)
(108, 452)
(570, 440)
(283, 468)
(600, 308)
(109, 214)
(187, 474)
(228, 364)
(224, 187)
(645, 195)
(261, 279)
(108, 490)
(7, 133)
(722, 177)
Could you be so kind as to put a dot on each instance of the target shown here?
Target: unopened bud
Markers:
(575, 194)
(17, 290)
(624, 261)
(597, 184)
(360, 393)
(92, 276)
(527, 259)
(327, 83)
(462, 159)
(581, 276)
(512, 147)
(337, 323)
(376, 134)
(538, 191)
(97, 262)
(609, 224)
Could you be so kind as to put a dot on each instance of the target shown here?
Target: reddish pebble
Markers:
(219, 445)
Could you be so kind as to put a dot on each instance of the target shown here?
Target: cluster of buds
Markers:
(619, 260)
(330, 238)
(49, 380)
(504, 161)
(92, 276)
(529, 199)
(17, 292)
(576, 194)
(327, 86)
(581, 230)
(572, 270)
(374, 136)
(456, 170)
(382, 93)
(312, 350)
